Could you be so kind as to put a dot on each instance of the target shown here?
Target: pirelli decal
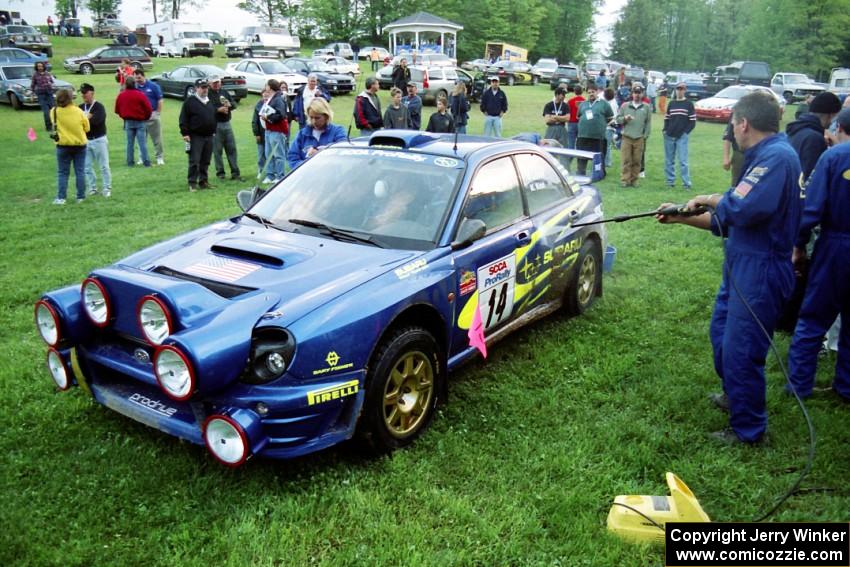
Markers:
(334, 392)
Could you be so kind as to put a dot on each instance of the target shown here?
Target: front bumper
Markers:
(287, 420)
(722, 115)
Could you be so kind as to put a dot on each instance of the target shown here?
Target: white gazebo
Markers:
(423, 33)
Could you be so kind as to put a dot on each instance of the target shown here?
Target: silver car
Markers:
(431, 82)
(257, 72)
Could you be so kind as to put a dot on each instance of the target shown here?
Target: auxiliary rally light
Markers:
(641, 519)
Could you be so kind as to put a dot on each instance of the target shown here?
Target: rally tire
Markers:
(403, 384)
(15, 101)
(586, 282)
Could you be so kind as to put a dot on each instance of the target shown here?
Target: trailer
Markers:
(498, 51)
(179, 39)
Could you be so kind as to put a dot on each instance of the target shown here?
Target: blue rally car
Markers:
(338, 302)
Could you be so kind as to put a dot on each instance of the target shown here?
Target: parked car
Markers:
(431, 82)
(719, 107)
(426, 60)
(15, 80)
(569, 74)
(739, 73)
(109, 27)
(341, 49)
(794, 87)
(475, 65)
(592, 68)
(25, 37)
(263, 41)
(341, 65)
(366, 53)
(180, 83)
(544, 68)
(15, 55)
(334, 83)
(337, 305)
(635, 74)
(257, 73)
(108, 58)
(215, 37)
(513, 73)
(693, 82)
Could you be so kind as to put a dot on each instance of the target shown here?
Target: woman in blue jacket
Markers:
(316, 135)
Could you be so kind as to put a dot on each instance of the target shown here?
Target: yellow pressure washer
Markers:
(641, 519)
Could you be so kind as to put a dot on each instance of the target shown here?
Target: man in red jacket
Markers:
(133, 106)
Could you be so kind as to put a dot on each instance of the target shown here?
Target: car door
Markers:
(175, 84)
(545, 266)
(109, 59)
(487, 270)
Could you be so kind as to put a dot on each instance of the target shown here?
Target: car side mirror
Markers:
(165, 75)
(248, 197)
(470, 230)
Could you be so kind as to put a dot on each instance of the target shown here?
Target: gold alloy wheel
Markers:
(408, 393)
(587, 279)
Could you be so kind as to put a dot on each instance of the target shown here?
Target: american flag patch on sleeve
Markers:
(743, 189)
(222, 269)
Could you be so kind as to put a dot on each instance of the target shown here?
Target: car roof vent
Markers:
(405, 139)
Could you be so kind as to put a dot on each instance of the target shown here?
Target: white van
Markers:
(839, 81)
(179, 39)
(263, 41)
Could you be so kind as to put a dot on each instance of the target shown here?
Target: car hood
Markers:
(715, 103)
(806, 86)
(305, 271)
(57, 84)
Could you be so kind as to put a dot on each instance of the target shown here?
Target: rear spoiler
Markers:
(566, 158)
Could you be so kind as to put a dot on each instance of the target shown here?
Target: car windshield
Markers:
(596, 66)
(17, 72)
(210, 70)
(96, 51)
(270, 67)
(735, 93)
(797, 78)
(547, 64)
(194, 35)
(400, 198)
(318, 65)
(689, 78)
(568, 72)
(20, 29)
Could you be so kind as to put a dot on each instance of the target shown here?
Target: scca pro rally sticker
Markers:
(496, 290)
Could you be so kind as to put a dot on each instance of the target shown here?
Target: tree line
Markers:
(698, 35)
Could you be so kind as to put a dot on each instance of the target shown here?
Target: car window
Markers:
(178, 73)
(254, 68)
(110, 53)
(542, 185)
(17, 72)
(494, 196)
(241, 66)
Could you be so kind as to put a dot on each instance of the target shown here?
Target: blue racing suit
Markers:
(828, 205)
(759, 217)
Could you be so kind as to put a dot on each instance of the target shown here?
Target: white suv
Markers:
(340, 49)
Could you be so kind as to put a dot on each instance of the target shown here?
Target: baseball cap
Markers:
(201, 83)
(86, 88)
(637, 86)
(681, 84)
(494, 79)
(213, 78)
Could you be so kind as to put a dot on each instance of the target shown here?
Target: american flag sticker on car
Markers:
(222, 269)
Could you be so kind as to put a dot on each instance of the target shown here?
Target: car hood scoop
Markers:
(265, 253)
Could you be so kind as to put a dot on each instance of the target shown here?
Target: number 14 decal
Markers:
(496, 290)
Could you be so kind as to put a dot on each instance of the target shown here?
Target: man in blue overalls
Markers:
(759, 218)
(828, 291)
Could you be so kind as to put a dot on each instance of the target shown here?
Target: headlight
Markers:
(272, 349)
(95, 302)
(174, 373)
(154, 319)
(226, 440)
(331, 82)
(58, 370)
(47, 321)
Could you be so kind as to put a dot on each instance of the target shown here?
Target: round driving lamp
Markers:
(47, 322)
(95, 302)
(174, 373)
(58, 370)
(154, 319)
(226, 440)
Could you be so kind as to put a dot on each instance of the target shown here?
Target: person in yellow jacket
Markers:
(71, 126)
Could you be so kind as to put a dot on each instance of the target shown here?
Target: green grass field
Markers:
(519, 468)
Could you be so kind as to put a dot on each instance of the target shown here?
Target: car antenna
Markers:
(454, 119)
(348, 134)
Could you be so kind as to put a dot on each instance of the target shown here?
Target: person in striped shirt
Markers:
(679, 121)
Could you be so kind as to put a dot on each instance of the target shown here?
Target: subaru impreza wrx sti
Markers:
(338, 302)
